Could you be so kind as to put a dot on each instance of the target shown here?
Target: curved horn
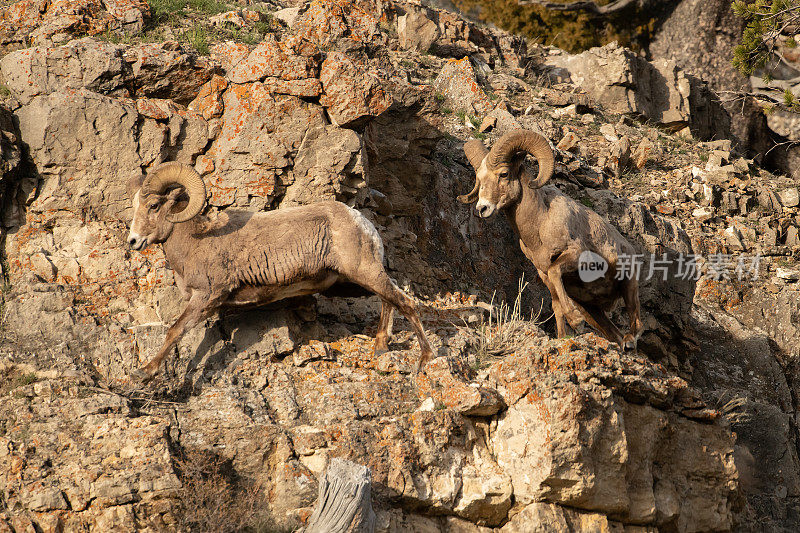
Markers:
(471, 196)
(174, 173)
(476, 152)
(524, 141)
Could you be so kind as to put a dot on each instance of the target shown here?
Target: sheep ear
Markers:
(135, 181)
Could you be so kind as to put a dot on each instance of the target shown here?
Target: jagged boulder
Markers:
(41, 22)
(350, 94)
(622, 82)
(286, 67)
(158, 70)
(457, 82)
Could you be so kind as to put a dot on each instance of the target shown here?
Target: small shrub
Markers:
(212, 500)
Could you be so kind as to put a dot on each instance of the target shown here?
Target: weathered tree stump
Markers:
(344, 504)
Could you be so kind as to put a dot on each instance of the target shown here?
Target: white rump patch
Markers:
(369, 229)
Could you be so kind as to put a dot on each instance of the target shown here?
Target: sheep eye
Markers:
(153, 207)
(504, 173)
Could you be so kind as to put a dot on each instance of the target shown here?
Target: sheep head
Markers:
(171, 194)
(499, 173)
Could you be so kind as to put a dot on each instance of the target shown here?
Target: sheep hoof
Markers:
(379, 350)
(141, 376)
(628, 345)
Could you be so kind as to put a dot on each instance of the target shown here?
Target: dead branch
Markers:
(591, 7)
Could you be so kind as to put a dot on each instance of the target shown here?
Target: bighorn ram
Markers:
(554, 231)
(246, 259)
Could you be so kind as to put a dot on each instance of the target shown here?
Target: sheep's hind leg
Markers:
(630, 294)
(384, 328)
(199, 308)
(382, 285)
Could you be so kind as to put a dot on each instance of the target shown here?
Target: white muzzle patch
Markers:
(136, 241)
(484, 208)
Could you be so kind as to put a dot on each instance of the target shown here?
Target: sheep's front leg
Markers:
(558, 312)
(200, 307)
(568, 306)
(561, 329)
(574, 312)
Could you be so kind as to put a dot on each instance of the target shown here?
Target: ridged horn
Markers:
(174, 173)
(517, 141)
(476, 152)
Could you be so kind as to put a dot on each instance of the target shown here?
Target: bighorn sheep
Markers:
(246, 259)
(554, 230)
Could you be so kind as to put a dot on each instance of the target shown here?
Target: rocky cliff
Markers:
(369, 103)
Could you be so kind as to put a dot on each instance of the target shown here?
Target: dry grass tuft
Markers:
(734, 410)
(506, 330)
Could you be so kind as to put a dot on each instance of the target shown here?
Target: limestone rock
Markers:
(229, 54)
(622, 82)
(166, 70)
(258, 137)
(90, 461)
(457, 82)
(622, 483)
(288, 61)
(416, 31)
(329, 165)
(161, 70)
(209, 100)
(43, 267)
(350, 95)
(41, 23)
(83, 63)
(325, 21)
(447, 382)
(789, 197)
(262, 334)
